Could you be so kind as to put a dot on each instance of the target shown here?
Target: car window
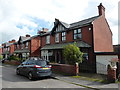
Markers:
(41, 63)
(30, 62)
(25, 62)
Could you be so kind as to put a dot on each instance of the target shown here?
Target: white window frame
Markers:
(57, 37)
(48, 39)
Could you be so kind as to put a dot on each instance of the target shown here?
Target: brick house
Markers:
(0, 50)
(8, 48)
(27, 46)
(91, 35)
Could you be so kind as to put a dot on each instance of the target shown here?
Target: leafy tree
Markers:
(72, 54)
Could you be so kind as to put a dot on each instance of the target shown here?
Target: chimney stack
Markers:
(12, 41)
(101, 10)
(27, 35)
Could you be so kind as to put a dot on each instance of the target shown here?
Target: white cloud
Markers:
(15, 12)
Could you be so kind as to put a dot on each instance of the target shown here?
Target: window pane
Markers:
(79, 36)
(47, 39)
(79, 30)
(75, 36)
(75, 31)
(57, 37)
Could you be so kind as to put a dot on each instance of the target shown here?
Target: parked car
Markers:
(34, 68)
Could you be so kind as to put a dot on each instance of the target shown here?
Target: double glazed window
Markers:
(77, 34)
(63, 36)
(47, 39)
(57, 37)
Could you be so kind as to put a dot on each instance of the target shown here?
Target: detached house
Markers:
(27, 46)
(91, 35)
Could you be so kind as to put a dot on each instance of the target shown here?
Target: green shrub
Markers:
(14, 58)
(72, 54)
(1, 57)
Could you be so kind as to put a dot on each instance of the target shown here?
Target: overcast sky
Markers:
(21, 17)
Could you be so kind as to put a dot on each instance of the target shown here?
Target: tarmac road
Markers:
(11, 80)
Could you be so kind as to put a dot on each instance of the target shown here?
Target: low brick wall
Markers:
(13, 62)
(64, 69)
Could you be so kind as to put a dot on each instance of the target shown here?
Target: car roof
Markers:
(35, 58)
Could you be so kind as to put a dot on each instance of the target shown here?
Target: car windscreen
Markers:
(41, 63)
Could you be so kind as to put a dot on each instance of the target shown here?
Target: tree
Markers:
(72, 54)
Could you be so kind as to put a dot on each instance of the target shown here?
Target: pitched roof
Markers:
(76, 24)
(65, 24)
(83, 22)
(24, 38)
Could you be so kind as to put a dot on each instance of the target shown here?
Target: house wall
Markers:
(35, 47)
(12, 48)
(102, 61)
(102, 35)
(0, 51)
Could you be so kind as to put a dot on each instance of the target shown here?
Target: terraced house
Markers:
(8, 48)
(27, 46)
(91, 35)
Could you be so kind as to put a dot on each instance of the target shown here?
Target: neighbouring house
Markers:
(0, 50)
(27, 46)
(117, 50)
(8, 48)
(91, 35)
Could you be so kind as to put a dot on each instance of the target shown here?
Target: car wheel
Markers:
(17, 72)
(30, 76)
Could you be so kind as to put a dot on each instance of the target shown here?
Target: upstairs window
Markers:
(15, 46)
(57, 37)
(77, 34)
(8, 49)
(26, 45)
(22, 46)
(63, 36)
(47, 39)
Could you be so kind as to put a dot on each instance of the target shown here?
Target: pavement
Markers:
(86, 83)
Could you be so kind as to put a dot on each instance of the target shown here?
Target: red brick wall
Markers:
(64, 69)
(12, 48)
(43, 41)
(102, 35)
(69, 36)
(35, 47)
(0, 50)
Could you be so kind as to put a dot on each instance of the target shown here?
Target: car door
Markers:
(28, 66)
(22, 66)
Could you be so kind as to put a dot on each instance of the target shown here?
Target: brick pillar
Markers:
(77, 69)
(111, 77)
